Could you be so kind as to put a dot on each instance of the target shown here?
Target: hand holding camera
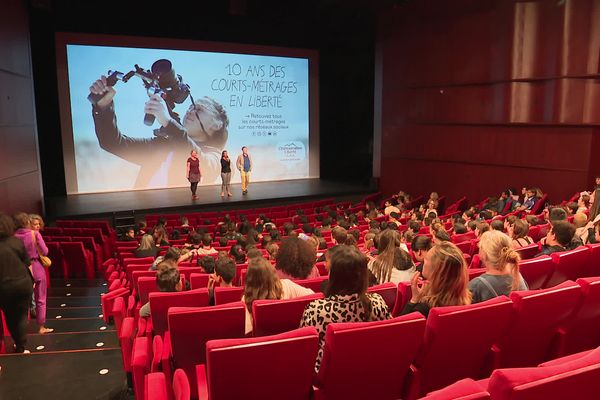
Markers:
(102, 90)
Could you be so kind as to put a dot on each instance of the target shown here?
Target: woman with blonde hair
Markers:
(147, 247)
(501, 262)
(447, 280)
(262, 283)
(518, 232)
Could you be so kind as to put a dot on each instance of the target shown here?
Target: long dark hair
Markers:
(595, 210)
(348, 275)
(223, 154)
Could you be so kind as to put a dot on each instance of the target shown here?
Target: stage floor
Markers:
(163, 200)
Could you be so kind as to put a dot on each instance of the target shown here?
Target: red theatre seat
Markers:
(458, 343)
(582, 330)
(224, 295)
(160, 302)
(314, 283)
(79, 261)
(465, 389)
(528, 252)
(189, 330)
(199, 281)
(388, 291)
(538, 315)
(570, 265)
(537, 271)
(392, 344)
(286, 367)
(593, 266)
(276, 316)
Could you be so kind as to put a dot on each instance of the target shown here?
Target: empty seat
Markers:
(390, 344)
(141, 358)
(276, 316)
(538, 315)
(537, 271)
(593, 265)
(286, 367)
(582, 330)
(160, 302)
(189, 330)
(458, 343)
(465, 389)
(107, 302)
(59, 268)
(568, 378)
(570, 265)
(79, 262)
(198, 281)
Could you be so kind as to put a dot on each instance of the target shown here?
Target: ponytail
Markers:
(508, 255)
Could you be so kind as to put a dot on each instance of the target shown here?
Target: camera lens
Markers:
(163, 69)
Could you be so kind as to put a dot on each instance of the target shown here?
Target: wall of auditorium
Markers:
(479, 96)
(20, 177)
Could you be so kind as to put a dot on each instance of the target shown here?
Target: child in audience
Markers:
(262, 283)
(420, 245)
(346, 298)
(128, 235)
(167, 280)
(446, 284)
(392, 263)
(206, 245)
(481, 228)
(207, 263)
(502, 268)
(296, 259)
(224, 272)
(238, 254)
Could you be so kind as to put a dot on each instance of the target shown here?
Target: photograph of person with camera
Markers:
(163, 157)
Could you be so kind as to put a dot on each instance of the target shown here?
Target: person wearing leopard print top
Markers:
(346, 298)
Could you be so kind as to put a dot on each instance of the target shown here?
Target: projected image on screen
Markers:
(203, 101)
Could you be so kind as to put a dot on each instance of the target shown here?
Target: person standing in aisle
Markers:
(244, 165)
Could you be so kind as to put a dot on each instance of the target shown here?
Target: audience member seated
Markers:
(224, 272)
(420, 246)
(206, 245)
(392, 263)
(501, 264)
(262, 283)
(459, 229)
(558, 238)
(446, 280)
(481, 228)
(160, 236)
(390, 207)
(147, 248)
(518, 231)
(296, 259)
(529, 201)
(497, 225)
(173, 256)
(167, 280)
(238, 254)
(128, 235)
(207, 263)
(346, 298)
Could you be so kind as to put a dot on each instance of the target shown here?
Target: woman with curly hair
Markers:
(296, 259)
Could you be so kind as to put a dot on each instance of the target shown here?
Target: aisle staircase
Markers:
(79, 360)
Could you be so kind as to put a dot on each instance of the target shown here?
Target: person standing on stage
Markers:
(244, 165)
(225, 174)
(193, 172)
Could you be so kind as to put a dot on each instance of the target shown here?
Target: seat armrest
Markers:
(202, 382)
(156, 387)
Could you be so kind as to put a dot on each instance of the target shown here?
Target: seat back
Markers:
(391, 345)
(570, 265)
(286, 366)
(131, 268)
(225, 295)
(181, 385)
(465, 389)
(537, 271)
(403, 295)
(314, 283)
(191, 327)
(136, 275)
(199, 281)
(577, 378)
(386, 290)
(463, 237)
(528, 252)
(276, 316)
(538, 314)
(146, 285)
(458, 342)
(593, 265)
(75, 259)
(58, 266)
(583, 328)
(160, 302)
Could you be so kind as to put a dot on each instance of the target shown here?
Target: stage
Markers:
(141, 202)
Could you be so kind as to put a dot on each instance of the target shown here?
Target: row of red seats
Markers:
(415, 356)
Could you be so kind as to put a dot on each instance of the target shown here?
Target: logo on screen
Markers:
(291, 152)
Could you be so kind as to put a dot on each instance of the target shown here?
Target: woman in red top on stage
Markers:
(193, 172)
